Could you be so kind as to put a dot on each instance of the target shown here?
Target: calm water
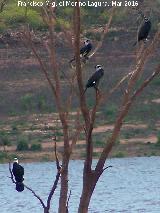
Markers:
(132, 185)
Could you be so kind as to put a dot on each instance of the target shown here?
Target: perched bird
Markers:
(144, 31)
(18, 172)
(85, 50)
(95, 78)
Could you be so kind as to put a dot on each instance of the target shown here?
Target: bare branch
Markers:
(145, 83)
(103, 34)
(89, 148)
(120, 82)
(35, 195)
(83, 104)
(31, 190)
(107, 168)
(28, 37)
(56, 180)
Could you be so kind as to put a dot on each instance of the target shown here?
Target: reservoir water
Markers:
(132, 185)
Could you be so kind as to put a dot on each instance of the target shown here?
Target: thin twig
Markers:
(35, 195)
(67, 205)
(103, 34)
(107, 168)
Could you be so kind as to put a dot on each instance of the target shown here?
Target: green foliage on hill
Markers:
(14, 16)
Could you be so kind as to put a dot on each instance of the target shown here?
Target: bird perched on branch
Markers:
(84, 51)
(18, 172)
(144, 30)
(95, 78)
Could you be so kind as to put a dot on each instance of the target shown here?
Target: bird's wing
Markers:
(18, 170)
(144, 31)
(95, 77)
(83, 50)
(21, 170)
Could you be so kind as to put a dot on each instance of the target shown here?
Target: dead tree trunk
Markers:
(88, 188)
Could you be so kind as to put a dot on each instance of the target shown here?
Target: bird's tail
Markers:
(19, 186)
(85, 91)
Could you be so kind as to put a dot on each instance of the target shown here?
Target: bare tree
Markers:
(52, 74)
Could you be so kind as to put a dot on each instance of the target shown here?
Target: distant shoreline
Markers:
(119, 151)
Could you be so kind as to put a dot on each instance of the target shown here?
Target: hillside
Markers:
(27, 108)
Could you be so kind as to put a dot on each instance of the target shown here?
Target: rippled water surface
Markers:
(132, 185)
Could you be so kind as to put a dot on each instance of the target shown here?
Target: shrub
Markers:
(110, 112)
(3, 27)
(58, 133)
(42, 103)
(35, 20)
(96, 154)
(14, 128)
(22, 145)
(26, 102)
(63, 23)
(15, 16)
(99, 143)
(4, 140)
(119, 155)
(36, 147)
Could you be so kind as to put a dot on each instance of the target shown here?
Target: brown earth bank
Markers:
(130, 147)
(135, 149)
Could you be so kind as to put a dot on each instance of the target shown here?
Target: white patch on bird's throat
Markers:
(15, 160)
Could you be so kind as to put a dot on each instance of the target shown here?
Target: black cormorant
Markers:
(18, 172)
(144, 31)
(95, 78)
(85, 50)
